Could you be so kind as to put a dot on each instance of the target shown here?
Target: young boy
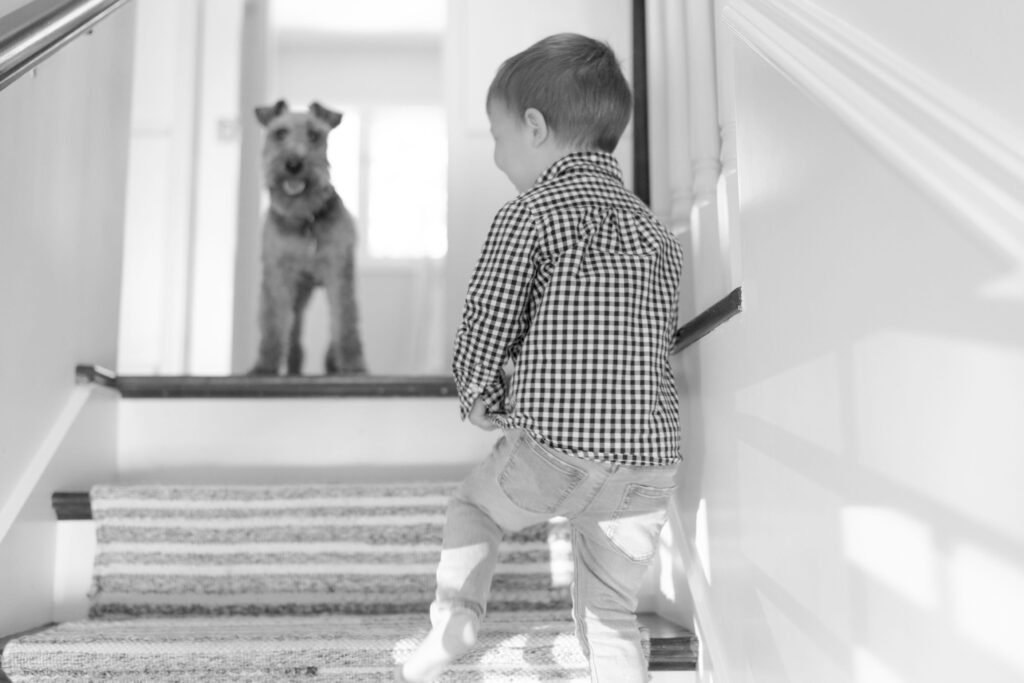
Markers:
(577, 286)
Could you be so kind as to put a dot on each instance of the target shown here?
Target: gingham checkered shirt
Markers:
(577, 286)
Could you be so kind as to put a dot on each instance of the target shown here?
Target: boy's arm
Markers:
(492, 318)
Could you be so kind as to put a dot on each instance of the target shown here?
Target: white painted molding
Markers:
(703, 95)
(724, 71)
(40, 460)
(661, 119)
(669, 112)
(728, 155)
(678, 88)
(961, 155)
(705, 177)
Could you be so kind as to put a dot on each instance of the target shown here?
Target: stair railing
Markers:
(29, 35)
(40, 460)
(34, 32)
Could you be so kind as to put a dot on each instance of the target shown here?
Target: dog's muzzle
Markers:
(294, 186)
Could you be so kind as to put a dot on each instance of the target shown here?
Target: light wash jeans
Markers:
(616, 513)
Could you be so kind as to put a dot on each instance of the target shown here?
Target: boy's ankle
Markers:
(453, 633)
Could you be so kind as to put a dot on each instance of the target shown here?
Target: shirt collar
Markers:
(583, 162)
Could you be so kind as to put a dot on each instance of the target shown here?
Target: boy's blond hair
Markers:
(575, 82)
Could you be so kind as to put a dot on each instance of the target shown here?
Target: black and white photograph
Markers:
(511, 341)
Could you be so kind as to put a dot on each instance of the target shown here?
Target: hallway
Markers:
(848, 508)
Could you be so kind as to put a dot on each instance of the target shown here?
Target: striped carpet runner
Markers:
(211, 551)
(281, 583)
(513, 648)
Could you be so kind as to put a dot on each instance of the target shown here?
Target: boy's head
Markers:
(568, 91)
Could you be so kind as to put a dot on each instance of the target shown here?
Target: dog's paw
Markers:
(349, 370)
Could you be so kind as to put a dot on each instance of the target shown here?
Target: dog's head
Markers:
(295, 150)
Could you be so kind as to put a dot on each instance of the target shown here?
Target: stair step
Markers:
(14, 636)
(673, 647)
(244, 386)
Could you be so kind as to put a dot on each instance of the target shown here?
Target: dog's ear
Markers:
(267, 114)
(332, 118)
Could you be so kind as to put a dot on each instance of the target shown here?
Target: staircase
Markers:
(255, 573)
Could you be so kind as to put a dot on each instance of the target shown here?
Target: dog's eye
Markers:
(280, 134)
(314, 135)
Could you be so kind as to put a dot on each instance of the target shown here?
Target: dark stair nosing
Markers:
(245, 386)
(71, 505)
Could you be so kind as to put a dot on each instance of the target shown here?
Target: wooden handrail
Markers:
(34, 32)
(714, 316)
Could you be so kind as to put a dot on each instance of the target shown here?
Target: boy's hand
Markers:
(478, 417)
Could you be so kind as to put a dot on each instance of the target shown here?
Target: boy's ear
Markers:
(537, 126)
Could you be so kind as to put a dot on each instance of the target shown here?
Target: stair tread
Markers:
(672, 645)
(245, 386)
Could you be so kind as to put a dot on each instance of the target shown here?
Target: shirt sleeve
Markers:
(492, 317)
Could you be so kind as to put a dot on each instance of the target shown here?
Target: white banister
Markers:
(34, 32)
(40, 460)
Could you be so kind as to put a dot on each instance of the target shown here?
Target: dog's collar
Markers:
(308, 222)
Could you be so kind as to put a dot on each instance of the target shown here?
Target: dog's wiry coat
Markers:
(309, 239)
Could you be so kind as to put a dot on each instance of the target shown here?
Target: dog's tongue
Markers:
(293, 187)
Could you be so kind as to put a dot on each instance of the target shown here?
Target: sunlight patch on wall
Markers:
(666, 557)
(868, 668)
(701, 539)
(939, 413)
(894, 549)
(988, 601)
(812, 409)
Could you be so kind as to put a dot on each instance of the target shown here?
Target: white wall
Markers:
(160, 210)
(64, 133)
(298, 440)
(214, 195)
(364, 70)
(858, 431)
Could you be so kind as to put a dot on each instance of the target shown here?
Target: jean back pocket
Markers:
(636, 524)
(538, 481)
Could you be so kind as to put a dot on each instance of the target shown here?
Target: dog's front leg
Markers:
(345, 355)
(276, 314)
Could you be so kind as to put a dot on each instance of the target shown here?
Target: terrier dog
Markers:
(309, 240)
